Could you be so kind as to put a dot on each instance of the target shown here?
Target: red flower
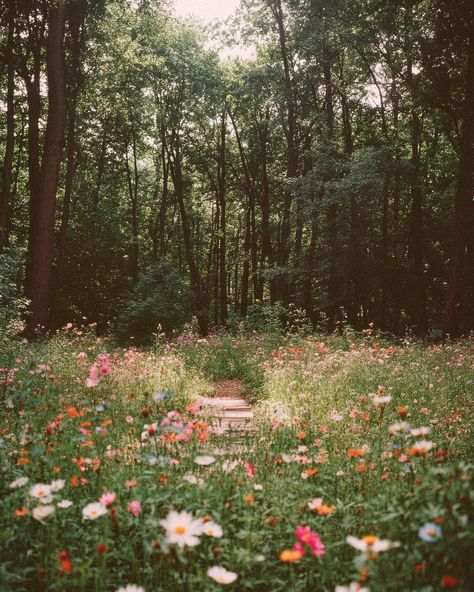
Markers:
(450, 581)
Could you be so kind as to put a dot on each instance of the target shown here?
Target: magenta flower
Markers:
(310, 538)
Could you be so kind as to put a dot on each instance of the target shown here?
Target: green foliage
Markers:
(13, 305)
(159, 303)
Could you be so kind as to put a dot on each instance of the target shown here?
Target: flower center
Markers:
(369, 539)
(180, 530)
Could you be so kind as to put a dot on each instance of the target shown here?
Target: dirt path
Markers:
(229, 411)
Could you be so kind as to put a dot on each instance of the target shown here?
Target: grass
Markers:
(333, 421)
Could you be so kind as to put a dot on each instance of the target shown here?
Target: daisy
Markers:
(65, 503)
(212, 529)
(41, 492)
(221, 575)
(93, 511)
(204, 460)
(18, 482)
(182, 528)
(429, 532)
(371, 543)
(42, 512)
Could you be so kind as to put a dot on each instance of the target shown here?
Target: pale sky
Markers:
(206, 9)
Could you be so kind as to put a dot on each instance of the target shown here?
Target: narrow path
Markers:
(229, 411)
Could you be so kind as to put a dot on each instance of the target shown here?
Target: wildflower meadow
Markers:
(355, 475)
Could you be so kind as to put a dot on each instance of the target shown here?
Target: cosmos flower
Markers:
(182, 529)
(135, 507)
(65, 504)
(221, 575)
(107, 498)
(57, 485)
(212, 529)
(93, 511)
(204, 460)
(41, 492)
(20, 482)
(420, 448)
(42, 512)
(371, 543)
(429, 532)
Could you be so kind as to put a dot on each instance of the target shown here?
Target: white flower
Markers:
(42, 512)
(313, 504)
(402, 426)
(57, 485)
(130, 588)
(423, 431)
(18, 482)
(65, 503)
(258, 487)
(93, 511)
(229, 465)
(42, 492)
(371, 544)
(221, 575)
(204, 460)
(352, 587)
(212, 529)
(191, 479)
(335, 416)
(381, 400)
(182, 528)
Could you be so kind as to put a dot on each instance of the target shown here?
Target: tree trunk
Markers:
(5, 189)
(458, 279)
(222, 221)
(42, 225)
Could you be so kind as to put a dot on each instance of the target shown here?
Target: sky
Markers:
(206, 9)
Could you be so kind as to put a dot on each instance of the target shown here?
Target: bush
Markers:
(160, 302)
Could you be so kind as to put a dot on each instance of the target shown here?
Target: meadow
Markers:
(357, 475)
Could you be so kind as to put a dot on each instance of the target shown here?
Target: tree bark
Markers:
(458, 282)
(42, 225)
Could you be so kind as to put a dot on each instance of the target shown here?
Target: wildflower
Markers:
(249, 499)
(258, 487)
(429, 532)
(130, 588)
(402, 426)
(352, 587)
(402, 411)
(310, 538)
(107, 498)
(41, 492)
(42, 512)
(93, 379)
(371, 543)
(65, 504)
(93, 511)
(423, 431)
(204, 460)
(381, 400)
(291, 555)
(221, 575)
(101, 548)
(212, 529)
(420, 448)
(18, 482)
(354, 452)
(57, 485)
(135, 507)
(21, 512)
(320, 508)
(182, 528)
(65, 562)
(309, 473)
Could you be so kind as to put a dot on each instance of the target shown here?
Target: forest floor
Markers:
(350, 468)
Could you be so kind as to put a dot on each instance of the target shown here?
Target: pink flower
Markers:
(107, 498)
(135, 507)
(104, 370)
(310, 538)
(93, 379)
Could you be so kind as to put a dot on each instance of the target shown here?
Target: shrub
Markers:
(160, 302)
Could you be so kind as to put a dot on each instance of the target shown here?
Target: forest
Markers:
(147, 181)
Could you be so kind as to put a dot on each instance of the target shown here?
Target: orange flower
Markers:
(72, 412)
(131, 483)
(402, 411)
(74, 481)
(310, 472)
(23, 461)
(324, 510)
(353, 452)
(290, 555)
(21, 512)
(361, 468)
(249, 499)
(301, 436)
